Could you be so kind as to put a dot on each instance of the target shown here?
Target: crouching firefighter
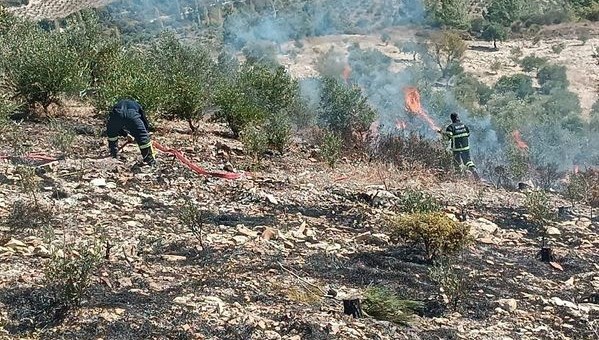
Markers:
(128, 119)
(458, 133)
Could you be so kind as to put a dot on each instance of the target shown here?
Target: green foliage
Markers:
(63, 138)
(447, 49)
(533, 63)
(344, 111)
(504, 12)
(261, 52)
(553, 74)
(520, 84)
(414, 201)
(494, 32)
(187, 77)
(330, 64)
(413, 47)
(414, 150)
(539, 208)
(256, 92)
(365, 62)
(278, 131)
(128, 73)
(471, 92)
(68, 274)
(40, 66)
(382, 304)
(7, 108)
(255, 141)
(331, 148)
(435, 232)
(453, 284)
(558, 48)
(193, 218)
(519, 163)
(450, 13)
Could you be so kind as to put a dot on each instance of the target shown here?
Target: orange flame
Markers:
(519, 142)
(413, 105)
(346, 73)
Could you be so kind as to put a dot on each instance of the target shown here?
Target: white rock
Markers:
(552, 231)
(482, 227)
(15, 244)
(239, 239)
(98, 182)
(174, 258)
(508, 304)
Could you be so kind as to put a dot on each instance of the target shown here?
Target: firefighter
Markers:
(128, 119)
(458, 133)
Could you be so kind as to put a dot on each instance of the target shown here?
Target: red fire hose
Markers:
(194, 167)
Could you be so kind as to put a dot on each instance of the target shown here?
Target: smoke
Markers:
(270, 22)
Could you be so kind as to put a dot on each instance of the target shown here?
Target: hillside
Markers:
(274, 242)
(342, 199)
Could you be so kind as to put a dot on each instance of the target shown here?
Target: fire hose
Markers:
(185, 161)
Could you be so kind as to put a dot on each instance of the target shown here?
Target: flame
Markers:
(413, 105)
(401, 125)
(519, 142)
(346, 73)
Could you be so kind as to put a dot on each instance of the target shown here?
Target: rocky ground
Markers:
(274, 242)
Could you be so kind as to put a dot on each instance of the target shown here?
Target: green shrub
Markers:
(520, 84)
(187, 77)
(412, 150)
(539, 208)
(435, 232)
(255, 93)
(278, 131)
(414, 201)
(553, 73)
(39, 66)
(193, 218)
(382, 304)
(558, 48)
(494, 32)
(128, 73)
(471, 92)
(63, 137)
(330, 64)
(331, 148)
(532, 63)
(454, 285)
(255, 141)
(68, 275)
(261, 52)
(344, 111)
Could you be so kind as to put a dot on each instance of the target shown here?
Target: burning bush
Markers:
(435, 232)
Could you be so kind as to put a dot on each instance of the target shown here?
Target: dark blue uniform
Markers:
(128, 117)
(459, 133)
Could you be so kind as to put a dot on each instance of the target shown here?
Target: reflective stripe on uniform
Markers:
(113, 139)
(466, 134)
(461, 149)
(470, 164)
(145, 146)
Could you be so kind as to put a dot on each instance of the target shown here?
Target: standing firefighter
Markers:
(127, 119)
(459, 133)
